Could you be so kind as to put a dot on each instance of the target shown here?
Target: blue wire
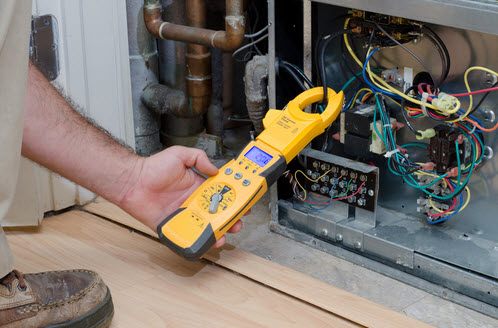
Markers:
(393, 95)
(330, 201)
(461, 112)
(351, 101)
(453, 214)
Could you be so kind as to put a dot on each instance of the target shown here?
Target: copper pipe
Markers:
(227, 40)
(198, 63)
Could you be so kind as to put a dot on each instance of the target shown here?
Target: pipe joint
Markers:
(227, 40)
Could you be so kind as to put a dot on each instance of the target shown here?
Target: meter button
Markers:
(228, 171)
(254, 171)
(238, 176)
(246, 182)
(247, 167)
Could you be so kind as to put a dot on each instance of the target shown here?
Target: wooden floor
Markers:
(152, 287)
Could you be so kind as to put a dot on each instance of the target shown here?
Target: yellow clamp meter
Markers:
(222, 199)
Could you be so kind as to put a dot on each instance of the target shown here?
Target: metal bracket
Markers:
(43, 47)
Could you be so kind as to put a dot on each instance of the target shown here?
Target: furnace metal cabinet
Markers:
(457, 260)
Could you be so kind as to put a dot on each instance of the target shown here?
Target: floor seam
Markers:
(417, 301)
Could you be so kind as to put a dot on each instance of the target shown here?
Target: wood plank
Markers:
(300, 286)
(153, 287)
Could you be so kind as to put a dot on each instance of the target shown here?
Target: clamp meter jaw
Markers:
(222, 199)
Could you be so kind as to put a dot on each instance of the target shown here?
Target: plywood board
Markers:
(300, 286)
(151, 286)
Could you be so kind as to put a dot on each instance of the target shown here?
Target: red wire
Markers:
(473, 136)
(452, 206)
(474, 92)
(421, 90)
(443, 213)
(312, 203)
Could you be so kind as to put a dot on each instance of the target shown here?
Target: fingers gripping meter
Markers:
(222, 199)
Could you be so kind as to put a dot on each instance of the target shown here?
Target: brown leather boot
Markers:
(76, 299)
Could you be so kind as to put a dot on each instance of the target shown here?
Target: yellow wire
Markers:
(430, 174)
(445, 185)
(358, 93)
(470, 69)
(387, 87)
(299, 184)
(461, 209)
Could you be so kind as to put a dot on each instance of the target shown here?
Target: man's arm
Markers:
(60, 139)
(149, 189)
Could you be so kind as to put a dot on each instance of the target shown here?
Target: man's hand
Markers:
(60, 139)
(164, 181)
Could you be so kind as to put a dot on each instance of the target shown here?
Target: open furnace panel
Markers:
(428, 204)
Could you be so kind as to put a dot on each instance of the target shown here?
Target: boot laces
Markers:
(13, 275)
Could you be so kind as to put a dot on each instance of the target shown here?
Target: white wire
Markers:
(249, 44)
(257, 33)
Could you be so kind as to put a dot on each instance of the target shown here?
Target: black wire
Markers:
(298, 71)
(409, 51)
(316, 62)
(444, 66)
(296, 78)
(482, 99)
(443, 46)
(391, 145)
(372, 34)
(348, 66)
(321, 62)
(405, 114)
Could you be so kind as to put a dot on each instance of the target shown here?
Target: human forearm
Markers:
(57, 137)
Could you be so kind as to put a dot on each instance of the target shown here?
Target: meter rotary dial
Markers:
(216, 197)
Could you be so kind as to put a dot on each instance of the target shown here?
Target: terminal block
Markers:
(356, 182)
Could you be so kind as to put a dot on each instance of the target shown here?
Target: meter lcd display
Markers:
(258, 156)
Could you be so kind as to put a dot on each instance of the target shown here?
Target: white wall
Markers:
(95, 74)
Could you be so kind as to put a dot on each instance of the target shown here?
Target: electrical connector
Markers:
(426, 134)
(445, 102)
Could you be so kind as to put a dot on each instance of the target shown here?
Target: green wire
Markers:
(346, 192)
(460, 186)
(416, 144)
(355, 77)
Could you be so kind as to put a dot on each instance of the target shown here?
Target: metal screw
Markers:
(399, 80)
(491, 79)
(309, 172)
(370, 193)
(357, 245)
(316, 164)
(325, 232)
(338, 237)
(490, 115)
(361, 202)
(488, 152)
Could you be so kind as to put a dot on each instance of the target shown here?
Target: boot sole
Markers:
(99, 317)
